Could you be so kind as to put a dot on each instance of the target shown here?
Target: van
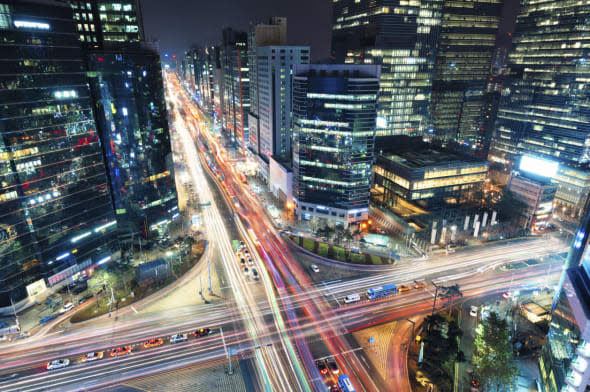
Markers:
(350, 298)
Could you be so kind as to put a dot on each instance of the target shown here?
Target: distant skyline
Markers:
(178, 24)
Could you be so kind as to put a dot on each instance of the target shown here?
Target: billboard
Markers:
(538, 166)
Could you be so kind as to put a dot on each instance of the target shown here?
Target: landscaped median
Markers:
(128, 291)
(338, 253)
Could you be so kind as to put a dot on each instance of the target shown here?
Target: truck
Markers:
(381, 291)
(350, 298)
(345, 384)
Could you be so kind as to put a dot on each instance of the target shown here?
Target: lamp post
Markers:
(412, 335)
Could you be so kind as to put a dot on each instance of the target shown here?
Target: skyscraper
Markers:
(206, 66)
(566, 353)
(544, 109)
(100, 21)
(463, 64)
(274, 65)
(133, 125)
(400, 37)
(334, 110)
(56, 216)
(234, 86)
(274, 33)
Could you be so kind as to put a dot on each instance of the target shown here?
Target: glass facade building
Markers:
(56, 215)
(463, 65)
(566, 353)
(100, 21)
(400, 36)
(334, 115)
(429, 178)
(544, 108)
(235, 96)
(132, 120)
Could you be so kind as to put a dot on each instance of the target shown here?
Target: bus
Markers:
(381, 291)
(345, 384)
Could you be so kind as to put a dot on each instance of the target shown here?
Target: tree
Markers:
(450, 293)
(493, 357)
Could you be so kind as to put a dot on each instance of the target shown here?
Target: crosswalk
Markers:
(210, 377)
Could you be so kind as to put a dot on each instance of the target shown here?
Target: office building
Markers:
(573, 188)
(565, 356)
(428, 177)
(100, 21)
(206, 79)
(234, 86)
(274, 101)
(544, 108)
(56, 216)
(537, 193)
(464, 59)
(132, 120)
(334, 115)
(259, 35)
(401, 39)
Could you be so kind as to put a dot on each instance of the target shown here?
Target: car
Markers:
(315, 268)
(85, 298)
(321, 367)
(333, 366)
(243, 261)
(67, 307)
(250, 261)
(93, 356)
(246, 271)
(58, 364)
(473, 311)
(403, 287)
(80, 288)
(242, 244)
(335, 388)
(179, 337)
(506, 295)
(419, 284)
(350, 298)
(153, 343)
(246, 251)
(122, 350)
(47, 319)
(255, 273)
(202, 332)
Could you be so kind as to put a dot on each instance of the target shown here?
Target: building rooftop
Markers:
(432, 158)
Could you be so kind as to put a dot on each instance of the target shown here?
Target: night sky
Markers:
(178, 24)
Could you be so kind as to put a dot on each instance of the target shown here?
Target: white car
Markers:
(67, 307)
(473, 311)
(246, 271)
(179, 337)
(315, 268)
(250, 261)
(93, 356)
(350, 298)
(58, 364)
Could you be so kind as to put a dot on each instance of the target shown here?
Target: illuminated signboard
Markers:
(25, 24)
(538, 166)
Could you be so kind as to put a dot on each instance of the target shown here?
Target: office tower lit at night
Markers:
(101, 21)
(274, 93)
(566, 354)
(334, 115)
(544, 109)
(133, 126)
(56, 216)
(207, 84)
(400, 39)
(463, 62)
(274, 33)
(234, 86)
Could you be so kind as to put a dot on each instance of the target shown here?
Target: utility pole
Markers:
(15, 316)
(208, 266)
(435, 296)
